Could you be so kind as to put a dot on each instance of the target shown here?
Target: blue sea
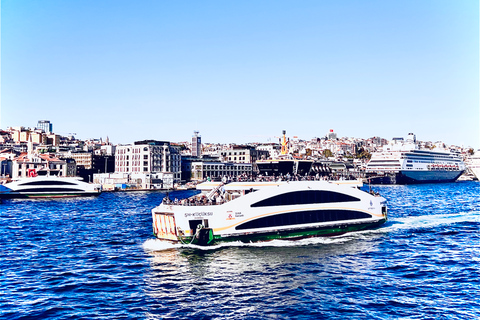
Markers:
(96, 258)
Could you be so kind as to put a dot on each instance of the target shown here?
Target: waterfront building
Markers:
(187, 161)
(150, 159)
(130, 181)
(201, 170)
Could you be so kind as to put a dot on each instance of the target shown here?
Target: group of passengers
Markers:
(220, 197)
(271, 178)
(198, 200)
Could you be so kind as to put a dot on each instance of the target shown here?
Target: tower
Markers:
(284, 143)
(196, 144)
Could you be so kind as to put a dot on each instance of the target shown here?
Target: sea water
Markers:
(96, 258)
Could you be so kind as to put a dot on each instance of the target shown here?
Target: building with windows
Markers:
(89, 163)
(27, 165)
(45, 126)
(273, 150)
(196, 145)
(201, 170)
(242, 154)
(149, 161)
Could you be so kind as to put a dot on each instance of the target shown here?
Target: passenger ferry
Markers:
(48, 187)
(261, 211)
(405, 163)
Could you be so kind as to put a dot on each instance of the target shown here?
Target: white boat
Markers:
(48, 187)
(261, 211)
(473, 164)
(406, 163)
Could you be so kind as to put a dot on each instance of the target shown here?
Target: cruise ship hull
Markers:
(415, 177)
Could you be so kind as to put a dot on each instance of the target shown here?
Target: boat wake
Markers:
(431, 221)
(392, 226)
(153, 245)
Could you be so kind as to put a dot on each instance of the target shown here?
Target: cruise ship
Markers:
(403, 162)
(262, 211)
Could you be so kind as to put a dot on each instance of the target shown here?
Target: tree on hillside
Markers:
(361, 153)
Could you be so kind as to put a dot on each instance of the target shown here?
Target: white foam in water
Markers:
(159, 245)
(430, 221)
(395, 224)
(153, 245)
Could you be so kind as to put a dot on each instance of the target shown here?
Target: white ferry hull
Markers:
(250, 218)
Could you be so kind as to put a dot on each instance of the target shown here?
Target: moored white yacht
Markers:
(261, 211)
(405, 163)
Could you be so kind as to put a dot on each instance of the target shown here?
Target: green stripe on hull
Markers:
(294, 234)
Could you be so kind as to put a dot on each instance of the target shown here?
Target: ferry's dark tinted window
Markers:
(51, 189)
(294, 218)
(48, 183)
(305, 197)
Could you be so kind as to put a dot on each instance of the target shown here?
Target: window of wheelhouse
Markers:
(305, 197)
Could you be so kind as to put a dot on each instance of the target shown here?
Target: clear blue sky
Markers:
(242, 71)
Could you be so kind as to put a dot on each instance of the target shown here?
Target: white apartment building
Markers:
(273, 149)
(148, 157)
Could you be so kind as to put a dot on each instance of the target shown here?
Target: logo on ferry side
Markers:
(230, 215)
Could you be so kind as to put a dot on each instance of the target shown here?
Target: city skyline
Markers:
(242, 72)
